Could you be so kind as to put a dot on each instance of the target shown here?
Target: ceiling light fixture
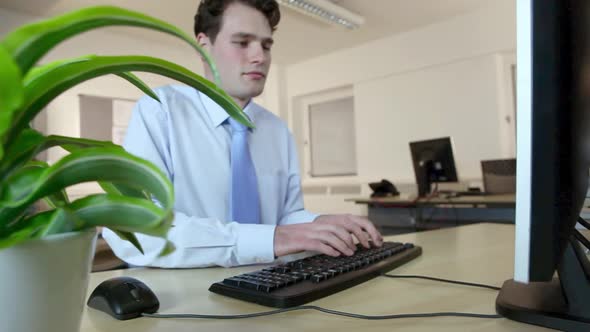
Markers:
(326, 11)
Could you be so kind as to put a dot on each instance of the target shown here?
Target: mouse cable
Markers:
(347, 314)
(441, 280)
(327, 311)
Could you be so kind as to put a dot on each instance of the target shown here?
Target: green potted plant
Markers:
(45, 257)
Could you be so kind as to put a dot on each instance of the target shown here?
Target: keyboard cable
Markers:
(327, 311)
(463, 283)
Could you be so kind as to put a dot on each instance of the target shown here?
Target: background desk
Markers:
(478, 253)
(402, 214)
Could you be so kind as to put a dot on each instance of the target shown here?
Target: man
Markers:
(192, 140)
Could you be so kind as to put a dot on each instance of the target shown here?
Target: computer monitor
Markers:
(553, 158)
(433, 162)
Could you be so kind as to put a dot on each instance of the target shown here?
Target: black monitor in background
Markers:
(433, 162)
(553, 158)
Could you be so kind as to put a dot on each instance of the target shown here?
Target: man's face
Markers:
(241, 51)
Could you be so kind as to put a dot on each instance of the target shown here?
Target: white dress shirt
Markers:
(188, 137)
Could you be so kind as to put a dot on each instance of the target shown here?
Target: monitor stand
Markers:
(563, 303)
(425, 178)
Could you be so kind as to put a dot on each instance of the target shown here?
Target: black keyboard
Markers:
(311, 278)
(451, 193)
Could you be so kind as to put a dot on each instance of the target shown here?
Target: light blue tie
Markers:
(245, 201)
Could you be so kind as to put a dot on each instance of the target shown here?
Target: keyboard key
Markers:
(232, 281)
(318, 278)
(266, 287)
(297, 276)
(283, 269)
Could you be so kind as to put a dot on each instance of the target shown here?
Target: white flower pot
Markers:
(43, 283)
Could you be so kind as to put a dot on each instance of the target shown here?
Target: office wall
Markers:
(443, 79)
(419, 105)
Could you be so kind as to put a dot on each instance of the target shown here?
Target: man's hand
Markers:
(328, 234)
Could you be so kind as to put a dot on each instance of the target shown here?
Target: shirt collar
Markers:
(218, 115)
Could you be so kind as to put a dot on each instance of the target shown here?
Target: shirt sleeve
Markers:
(199, 241)
(294, 212)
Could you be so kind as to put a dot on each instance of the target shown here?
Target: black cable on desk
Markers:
(441, 280)
(347, 314)
(327, 311)
(580, 237)
(583, 222)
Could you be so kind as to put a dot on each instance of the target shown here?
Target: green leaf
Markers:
(11, 92)
(23, 229)
(131, 238)
(56, 199)
(121, 189)
(72, 144)
(24, 148)
(127, 214)
(121, 214)
(29, 43)
(30, 143)
(124, 215)
(63, 220)
(140, 84)
(17, 187)
(168, 249)
(47, 82)
(29, 184)
(55, 221)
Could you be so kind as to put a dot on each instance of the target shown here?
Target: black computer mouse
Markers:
(123, 298)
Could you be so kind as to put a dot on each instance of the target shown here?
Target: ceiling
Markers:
(298, 37)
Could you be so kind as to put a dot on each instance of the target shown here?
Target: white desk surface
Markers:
(480, 253)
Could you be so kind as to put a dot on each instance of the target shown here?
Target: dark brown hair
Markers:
(210, 13)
